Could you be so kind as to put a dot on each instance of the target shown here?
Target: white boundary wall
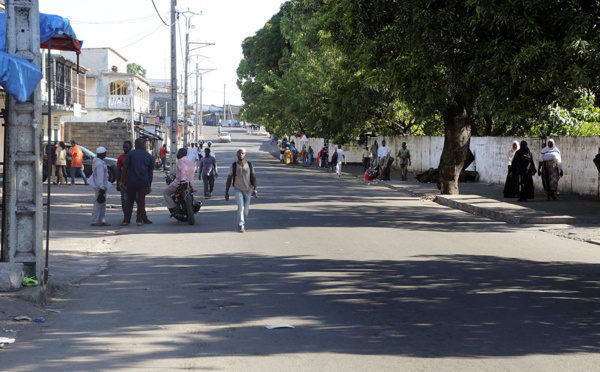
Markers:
(580, 174)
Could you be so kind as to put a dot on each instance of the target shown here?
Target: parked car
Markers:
(224, 137)
(88, 157)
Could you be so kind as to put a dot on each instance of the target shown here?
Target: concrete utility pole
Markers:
(22, 211)
(173, 148)
(185, 74)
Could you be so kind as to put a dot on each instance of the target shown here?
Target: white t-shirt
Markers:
(383, 151)
(192, 153)
(340, 154)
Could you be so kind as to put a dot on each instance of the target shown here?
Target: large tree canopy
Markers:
(136, 69)
(481, 66)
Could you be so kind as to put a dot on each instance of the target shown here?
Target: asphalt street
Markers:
(371, 280)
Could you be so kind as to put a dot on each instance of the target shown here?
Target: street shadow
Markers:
(429, 306)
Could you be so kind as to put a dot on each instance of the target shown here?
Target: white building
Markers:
(111, 91)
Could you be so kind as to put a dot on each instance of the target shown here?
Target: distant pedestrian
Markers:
(139, 167)
(192, 154)
(242, 177)
(550, 169)
(163, 157)
(341, 157)
(404, 161)
(208, 172)
(61, 163)
(99, 181)
(366, 158)
(523, 168)
(77, 163)
(374, 154)
(212, 149)
(53, 174)
(287, 154)
(120, 174)
(310, 155)
(384, 161)
(511, 186)
(304, 155)
(322, 158)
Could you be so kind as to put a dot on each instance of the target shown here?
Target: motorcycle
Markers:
(183, 197)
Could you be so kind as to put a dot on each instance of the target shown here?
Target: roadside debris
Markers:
(428, 197)
(22, 317)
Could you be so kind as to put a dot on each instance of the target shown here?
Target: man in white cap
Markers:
(241, 175)
(99, 181)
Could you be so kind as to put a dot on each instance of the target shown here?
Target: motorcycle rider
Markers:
(185, 172)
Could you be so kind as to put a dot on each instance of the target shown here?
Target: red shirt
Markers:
(121, 164)
(163, 152)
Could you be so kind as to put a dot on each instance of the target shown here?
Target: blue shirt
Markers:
(208, 166)
(140, 164)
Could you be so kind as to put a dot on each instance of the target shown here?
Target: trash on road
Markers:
(53, 311)
(6, 340)
(279, 326)
(40, 319)
(103, 276)
(22, 317)
(428, 197)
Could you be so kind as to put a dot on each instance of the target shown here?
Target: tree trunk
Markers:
(457, 133)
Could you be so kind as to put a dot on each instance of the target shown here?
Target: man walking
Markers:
(99, 181)
(404, 160)
(77, 163)
(241, 175)
(208, 172)
(340, 157)
(192, 154)
(384, 161)
(139, 167)
(123, 189)
(163, 157)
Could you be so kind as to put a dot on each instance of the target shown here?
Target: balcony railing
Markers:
(119, 102)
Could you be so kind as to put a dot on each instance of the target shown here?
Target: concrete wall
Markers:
(580, 174)
(93, 135)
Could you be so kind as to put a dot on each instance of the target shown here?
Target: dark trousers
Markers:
(209, 184)
(124, 201)
(137, 195)
(366, 163)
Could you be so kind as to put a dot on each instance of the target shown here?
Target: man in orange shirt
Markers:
(77, 162)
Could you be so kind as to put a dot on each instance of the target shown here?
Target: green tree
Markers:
(136, 69)
(451, 57)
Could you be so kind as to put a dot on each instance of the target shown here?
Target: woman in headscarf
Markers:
(511, 186)
(523, 169)
(550, 169)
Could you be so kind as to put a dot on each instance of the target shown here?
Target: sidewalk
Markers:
(487, 200)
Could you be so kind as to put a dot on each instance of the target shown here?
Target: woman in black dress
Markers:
(511, 186)
(523, 168)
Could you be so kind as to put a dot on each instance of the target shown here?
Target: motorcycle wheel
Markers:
(189, 206)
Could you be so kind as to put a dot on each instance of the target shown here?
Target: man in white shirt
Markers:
(383, 151)
(193, 154)
(99, 181)
(340, 157)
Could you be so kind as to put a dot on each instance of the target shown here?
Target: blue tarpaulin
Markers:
(51, 27)
(18, 76)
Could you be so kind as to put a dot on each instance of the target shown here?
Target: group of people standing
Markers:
(58, 153)
(377, 161)
(521, 169)
(135, 176)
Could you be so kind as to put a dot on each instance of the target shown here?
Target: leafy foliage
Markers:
(136, 69)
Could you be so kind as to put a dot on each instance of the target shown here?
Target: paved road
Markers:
(371, 279)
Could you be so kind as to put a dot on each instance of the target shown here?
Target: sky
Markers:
(134, 30)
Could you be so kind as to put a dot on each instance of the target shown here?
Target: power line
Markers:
(135, 42)
(123, 21)
(155, 8)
